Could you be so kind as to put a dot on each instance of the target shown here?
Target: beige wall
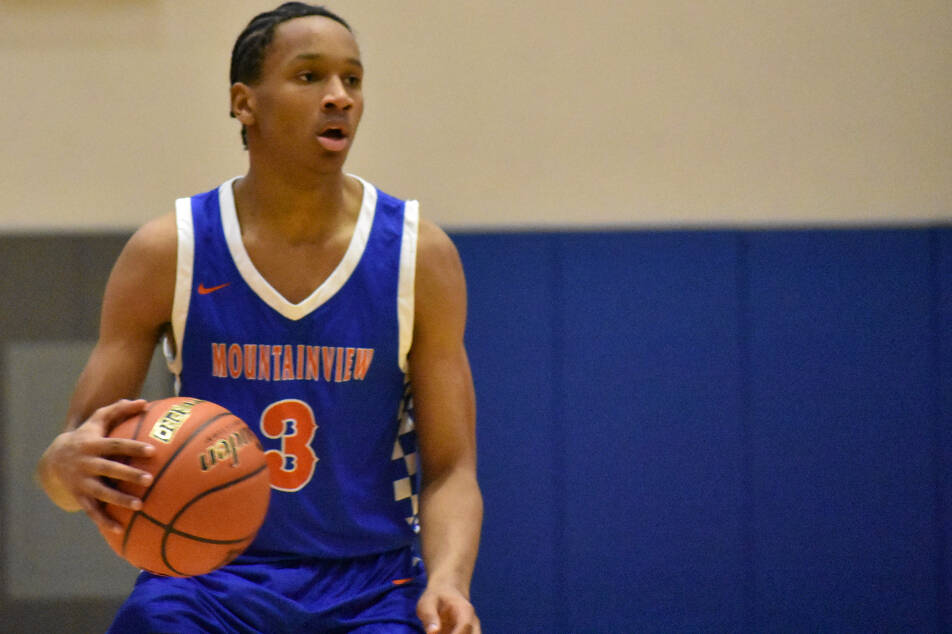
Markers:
(498, 113)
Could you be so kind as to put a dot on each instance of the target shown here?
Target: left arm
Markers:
(451, 505)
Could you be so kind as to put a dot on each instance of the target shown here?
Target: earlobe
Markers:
(242, 103)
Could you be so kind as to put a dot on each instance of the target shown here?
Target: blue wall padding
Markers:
(841, 430)
(713, 430)
(651, 430)
(511, 315)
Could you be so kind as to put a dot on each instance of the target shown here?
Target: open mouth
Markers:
(333, 139)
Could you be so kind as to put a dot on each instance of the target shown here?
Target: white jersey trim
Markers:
(183, 287)
(267, 293)
(406, 285)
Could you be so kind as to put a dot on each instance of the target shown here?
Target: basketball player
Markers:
(309, 303)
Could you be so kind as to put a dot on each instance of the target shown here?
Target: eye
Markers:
(352, 81)
(306, 76)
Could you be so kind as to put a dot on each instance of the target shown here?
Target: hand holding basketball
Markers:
(78, 460)
(208, 494)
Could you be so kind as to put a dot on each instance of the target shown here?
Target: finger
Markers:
(110, 415)
(426, 610)
(98, 491)
(460, 616)
(96, 514)
(451, 618)
(124, 447)
(119, 411)
(115, 470)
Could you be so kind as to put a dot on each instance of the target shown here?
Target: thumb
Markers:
(428, 613)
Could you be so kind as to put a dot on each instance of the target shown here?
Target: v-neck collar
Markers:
(329, 287)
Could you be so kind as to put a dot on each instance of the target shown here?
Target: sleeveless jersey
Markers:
(322, 382)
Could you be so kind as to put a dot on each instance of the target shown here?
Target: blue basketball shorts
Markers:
(366, 595)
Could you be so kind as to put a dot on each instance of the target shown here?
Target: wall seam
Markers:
(943, 609)
(743, 324)
(560, 513)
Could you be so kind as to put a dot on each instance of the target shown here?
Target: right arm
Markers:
(137, 307)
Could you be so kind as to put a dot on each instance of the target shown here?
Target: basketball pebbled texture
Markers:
(209, 493)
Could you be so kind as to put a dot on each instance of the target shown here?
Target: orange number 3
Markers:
(293, 422)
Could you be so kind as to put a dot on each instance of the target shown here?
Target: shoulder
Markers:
(437, 256)
(145, 272)
(440, 288)
(156, 239)
(434, 246)
(153, 247)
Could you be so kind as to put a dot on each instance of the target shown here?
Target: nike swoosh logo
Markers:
(205, 290)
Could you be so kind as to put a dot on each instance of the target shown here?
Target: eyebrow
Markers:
(312, 56)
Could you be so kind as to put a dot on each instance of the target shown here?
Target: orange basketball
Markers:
(209, 492)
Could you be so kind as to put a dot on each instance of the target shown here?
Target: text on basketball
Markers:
(165, 428)
(226, 449)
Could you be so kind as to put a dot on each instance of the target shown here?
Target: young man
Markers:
(312, 305)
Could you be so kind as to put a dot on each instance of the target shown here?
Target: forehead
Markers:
(311, 35)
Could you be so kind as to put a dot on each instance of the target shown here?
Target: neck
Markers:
(299, 207)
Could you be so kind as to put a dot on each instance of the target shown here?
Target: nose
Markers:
(336, 96)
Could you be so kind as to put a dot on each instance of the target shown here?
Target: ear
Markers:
(242, 103)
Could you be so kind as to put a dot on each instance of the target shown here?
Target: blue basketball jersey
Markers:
(322, 382)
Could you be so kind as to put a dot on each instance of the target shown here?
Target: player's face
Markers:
(309, 100)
